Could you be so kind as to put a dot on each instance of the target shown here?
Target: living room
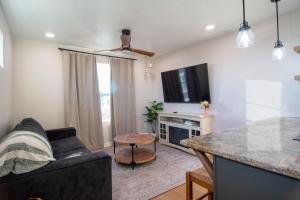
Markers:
(250, 121)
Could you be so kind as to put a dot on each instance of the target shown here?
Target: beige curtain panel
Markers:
(122, 97)
(82, 99)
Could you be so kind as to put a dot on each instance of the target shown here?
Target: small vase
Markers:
(205, 111)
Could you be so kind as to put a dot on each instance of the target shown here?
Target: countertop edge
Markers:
(244, 160)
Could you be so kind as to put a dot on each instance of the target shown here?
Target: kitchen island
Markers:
(254, 162)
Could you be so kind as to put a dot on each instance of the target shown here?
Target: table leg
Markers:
(132, 155)
(114, 148)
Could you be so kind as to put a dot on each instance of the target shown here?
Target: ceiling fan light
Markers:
(279, 52)
(245, 36)
(126, 51)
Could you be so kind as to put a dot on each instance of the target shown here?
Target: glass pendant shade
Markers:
(245, 37)
(279, 51)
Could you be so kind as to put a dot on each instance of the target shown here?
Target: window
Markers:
(103, 70)
(1, 49)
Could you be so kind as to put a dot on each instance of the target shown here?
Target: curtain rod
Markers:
(97, 54)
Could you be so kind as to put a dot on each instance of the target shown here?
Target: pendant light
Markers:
(245, 37)
(279, 50)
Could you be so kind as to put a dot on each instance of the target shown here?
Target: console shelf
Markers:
(174, 127)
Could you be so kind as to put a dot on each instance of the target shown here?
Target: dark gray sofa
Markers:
(77, 174)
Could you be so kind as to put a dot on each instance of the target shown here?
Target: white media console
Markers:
(173, 127)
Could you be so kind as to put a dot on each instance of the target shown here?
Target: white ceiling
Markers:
(157, 25)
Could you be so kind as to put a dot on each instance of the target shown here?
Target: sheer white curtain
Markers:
(82, 100)
(104, 71)
(123, 96)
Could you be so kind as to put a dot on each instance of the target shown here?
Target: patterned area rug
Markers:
(149, 180)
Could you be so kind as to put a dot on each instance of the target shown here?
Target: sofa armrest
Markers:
(56, 134)
(80, 178)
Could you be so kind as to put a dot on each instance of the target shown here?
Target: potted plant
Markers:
(152, 113)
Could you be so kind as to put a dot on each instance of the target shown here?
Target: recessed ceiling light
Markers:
(49, 35)
(210, 27)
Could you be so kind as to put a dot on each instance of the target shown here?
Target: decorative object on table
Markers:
(205, 106)
(245, 37)
(135, 154)
(152, 113)
(279, 51)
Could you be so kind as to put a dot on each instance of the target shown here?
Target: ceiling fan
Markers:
(126, 39)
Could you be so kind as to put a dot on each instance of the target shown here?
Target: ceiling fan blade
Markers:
(117, 49)
(139, 51)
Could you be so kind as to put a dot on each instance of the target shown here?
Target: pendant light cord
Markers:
(244, 15)
(277, 21)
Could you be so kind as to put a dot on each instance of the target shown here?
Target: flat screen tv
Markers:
(186, 85)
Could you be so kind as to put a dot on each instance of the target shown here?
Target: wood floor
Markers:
(179, 193)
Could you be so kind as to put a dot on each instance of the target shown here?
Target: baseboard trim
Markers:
(108, 144)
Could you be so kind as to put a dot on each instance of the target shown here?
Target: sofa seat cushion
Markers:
(65, 145)
(72, 154)
(63, 162)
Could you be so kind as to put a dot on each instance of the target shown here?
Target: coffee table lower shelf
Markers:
(138, 156)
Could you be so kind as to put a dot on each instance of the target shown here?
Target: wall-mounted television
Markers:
(186, 85)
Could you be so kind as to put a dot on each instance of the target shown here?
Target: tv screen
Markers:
(186, 85)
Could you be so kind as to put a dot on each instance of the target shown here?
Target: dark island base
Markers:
(236, 181)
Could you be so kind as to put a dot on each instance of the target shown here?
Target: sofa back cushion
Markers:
(25, 149)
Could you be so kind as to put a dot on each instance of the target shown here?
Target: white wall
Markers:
(38, 83)
(143, 92)
(246, 85)
(6, 79)
(38, 88)
(234, 75)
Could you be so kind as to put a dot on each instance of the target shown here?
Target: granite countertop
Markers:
(266, 144)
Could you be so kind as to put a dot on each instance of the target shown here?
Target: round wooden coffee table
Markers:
(135, 154)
